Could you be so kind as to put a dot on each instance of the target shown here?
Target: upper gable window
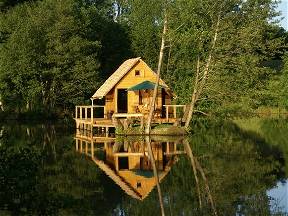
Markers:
(137, 72)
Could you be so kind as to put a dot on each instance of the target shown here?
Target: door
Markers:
(122, 101)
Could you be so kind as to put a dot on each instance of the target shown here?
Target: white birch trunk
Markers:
(199, 85)
(161, 53)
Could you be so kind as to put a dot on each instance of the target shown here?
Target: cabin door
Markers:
(122, 101)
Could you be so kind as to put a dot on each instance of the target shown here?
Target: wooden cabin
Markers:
(127, 93)
(130, 89)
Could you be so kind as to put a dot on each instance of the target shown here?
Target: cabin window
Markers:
(137, 73)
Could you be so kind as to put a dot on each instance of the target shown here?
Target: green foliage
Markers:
(283, 84)
(57, 60)
(246, 40)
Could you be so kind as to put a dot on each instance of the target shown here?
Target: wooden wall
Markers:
(129, 80)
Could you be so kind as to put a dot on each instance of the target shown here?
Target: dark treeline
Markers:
(55, 54)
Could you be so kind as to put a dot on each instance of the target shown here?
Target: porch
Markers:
(88, 117)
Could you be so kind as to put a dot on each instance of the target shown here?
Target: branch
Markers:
(198, 111)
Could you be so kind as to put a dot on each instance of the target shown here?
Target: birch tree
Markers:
(160, 62)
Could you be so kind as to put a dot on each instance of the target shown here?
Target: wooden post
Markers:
(86, 147)
(92, 149)
(168, 147)
(107, 132)
(76, 144)
(175, 112)
(105, 114)
(167, 113)
(86, 113)
(92, 115)
(81, 146)
(76, 109)
(80, 112)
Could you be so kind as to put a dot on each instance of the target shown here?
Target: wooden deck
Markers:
(85, 117)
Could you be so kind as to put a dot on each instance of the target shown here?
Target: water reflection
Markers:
(219, 169)
(129, 163)
(139, 164)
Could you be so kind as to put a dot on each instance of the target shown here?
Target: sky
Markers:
(283, 7)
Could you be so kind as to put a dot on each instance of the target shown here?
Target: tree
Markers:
(215, 46)
(7, 4)
(58, 60)
(283, 84)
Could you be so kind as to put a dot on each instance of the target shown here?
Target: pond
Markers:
(223, 168)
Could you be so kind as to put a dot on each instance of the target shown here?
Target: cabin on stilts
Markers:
(126, 96)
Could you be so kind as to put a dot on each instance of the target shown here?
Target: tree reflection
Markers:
(227, 170)
(237, 168)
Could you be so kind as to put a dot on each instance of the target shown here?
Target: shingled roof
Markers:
(116, 77)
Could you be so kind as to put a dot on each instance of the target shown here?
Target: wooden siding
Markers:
(130, 79)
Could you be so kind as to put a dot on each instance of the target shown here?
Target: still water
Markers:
(222, 168)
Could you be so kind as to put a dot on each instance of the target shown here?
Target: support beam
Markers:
(175, 112)
(92, 115)
(167, 113)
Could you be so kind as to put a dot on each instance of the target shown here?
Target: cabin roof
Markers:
(115, 77)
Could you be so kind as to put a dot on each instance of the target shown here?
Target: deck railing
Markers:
(90, 112)
(177, 109)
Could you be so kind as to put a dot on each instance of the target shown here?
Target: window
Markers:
(137, 72)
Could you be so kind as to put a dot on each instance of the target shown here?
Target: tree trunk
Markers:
(161, 53)
(189, 152)
(194, 96)
(152, 160)
(199, 84)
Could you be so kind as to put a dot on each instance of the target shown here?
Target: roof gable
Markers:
(116, 77)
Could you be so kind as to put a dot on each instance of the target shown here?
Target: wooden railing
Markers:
(117, 116)
(175, 108)
(89, 112)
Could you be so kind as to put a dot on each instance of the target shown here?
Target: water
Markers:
(223, 168)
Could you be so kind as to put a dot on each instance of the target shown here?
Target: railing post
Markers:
(81, 146)
(174, 111)
(80, 112)
(92, 115)
(167, 113)
(92, 148)
(105, 116)
(86, 109)
(76, 112)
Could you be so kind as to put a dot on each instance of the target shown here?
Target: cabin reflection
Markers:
(128, 163)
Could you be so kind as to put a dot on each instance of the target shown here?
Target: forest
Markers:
(54, 54)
